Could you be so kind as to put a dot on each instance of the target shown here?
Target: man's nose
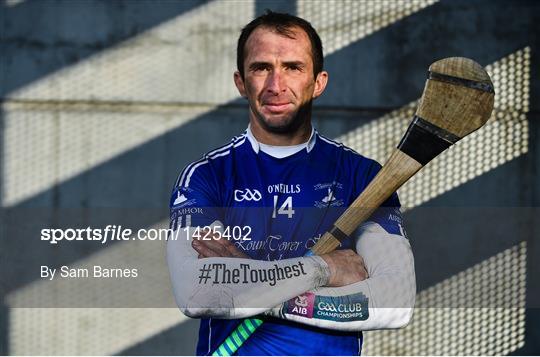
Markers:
(275, 82)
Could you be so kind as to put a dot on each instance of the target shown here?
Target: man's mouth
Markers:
(276, 107)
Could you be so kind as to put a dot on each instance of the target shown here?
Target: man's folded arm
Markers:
(235, 287)
(225, 287)
(383, 301)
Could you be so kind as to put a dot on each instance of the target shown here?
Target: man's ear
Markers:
(239, 82)
(320, 83)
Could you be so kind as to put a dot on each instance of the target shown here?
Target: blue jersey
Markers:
(277, 208)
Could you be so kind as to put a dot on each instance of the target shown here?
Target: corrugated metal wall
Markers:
(102, 103)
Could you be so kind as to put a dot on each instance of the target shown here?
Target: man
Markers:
(280, 186)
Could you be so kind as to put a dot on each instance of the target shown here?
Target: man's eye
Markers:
(293, 68)
(261, 68)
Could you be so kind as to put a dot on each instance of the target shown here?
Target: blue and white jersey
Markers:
(283, 205)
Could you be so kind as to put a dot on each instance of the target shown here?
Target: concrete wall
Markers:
(104, 102)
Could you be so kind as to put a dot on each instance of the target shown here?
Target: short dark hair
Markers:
(282, 24)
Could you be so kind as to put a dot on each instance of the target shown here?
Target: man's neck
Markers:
(299, 136)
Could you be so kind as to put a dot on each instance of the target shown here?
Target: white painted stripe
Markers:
(340, 23)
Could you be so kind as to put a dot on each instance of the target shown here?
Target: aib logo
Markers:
(247, 195)
(301, 301)
(302, 305)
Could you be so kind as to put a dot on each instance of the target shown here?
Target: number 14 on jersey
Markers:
(286, 207)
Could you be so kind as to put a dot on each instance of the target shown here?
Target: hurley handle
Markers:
(396, 171)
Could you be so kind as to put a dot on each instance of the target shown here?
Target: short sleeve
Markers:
(388, 215)
(195, 199)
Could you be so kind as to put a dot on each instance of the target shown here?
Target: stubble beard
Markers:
(290, 124)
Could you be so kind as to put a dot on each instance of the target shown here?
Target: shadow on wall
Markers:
(56, 34)
(386, 69)
(179, 340)
(4, 323)
(40, 37)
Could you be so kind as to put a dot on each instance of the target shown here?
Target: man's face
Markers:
(278, 79)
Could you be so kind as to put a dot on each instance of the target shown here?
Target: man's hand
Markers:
(346, 267)
(216, 247)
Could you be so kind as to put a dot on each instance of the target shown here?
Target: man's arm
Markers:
(225, 287)
(236, 287)
(225, 284)
(384, 300)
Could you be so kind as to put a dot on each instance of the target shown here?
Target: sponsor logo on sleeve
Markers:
(182, 216)
(180, 198)
(390, 220)
(395, 215)
(341, 308)
(302, 305)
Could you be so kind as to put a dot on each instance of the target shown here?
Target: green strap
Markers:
(237, 338)
(221, 351)
(243, 332)
(251, 327)
(230, 344)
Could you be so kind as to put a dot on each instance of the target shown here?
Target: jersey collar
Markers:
(256, 147)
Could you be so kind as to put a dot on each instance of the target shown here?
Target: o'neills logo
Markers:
(302, 305)
(284, 188)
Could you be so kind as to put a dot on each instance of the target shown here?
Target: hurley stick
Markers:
(457, 100)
